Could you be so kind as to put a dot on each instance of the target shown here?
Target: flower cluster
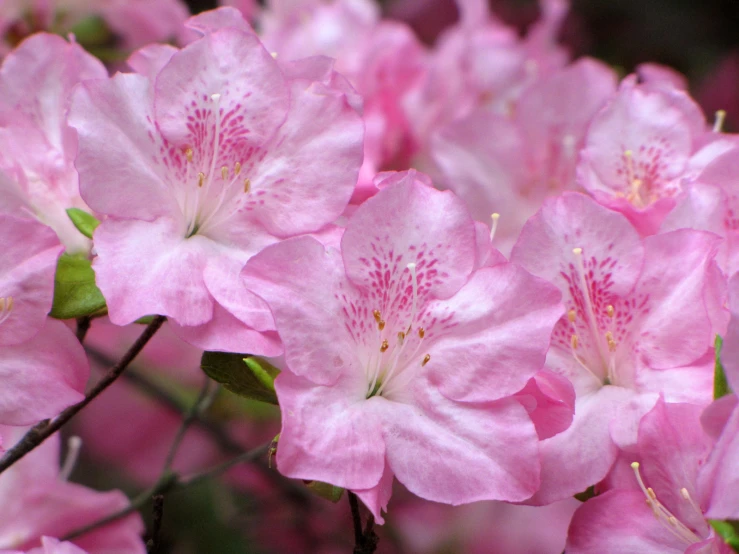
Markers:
(479, 269)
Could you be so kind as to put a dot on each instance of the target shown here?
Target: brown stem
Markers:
(42, 431)
(365, 540)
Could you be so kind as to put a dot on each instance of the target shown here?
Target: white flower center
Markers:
(387, 364)
(212, 195)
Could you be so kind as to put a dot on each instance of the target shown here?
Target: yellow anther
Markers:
(577, 251)
(237, 168)
(201, 179)
(426, 359)
(224, 172)
(574, 342)
(188, 154)
(718, 123)
(610, 311)
(611, 342)
(571, 316)
(381, 325)
(377, 315)
(401, 336)
(384, 346)
(421, 332)
(247, 185)
(651, 493)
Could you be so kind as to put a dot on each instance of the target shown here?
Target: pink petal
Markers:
(42, 376)
(37, 78)
(619, 522)
(253, 103)
(377, 498)
(150, 59)
(496, 333)
(409, 223)
(163, 271)
(585, 449)
(673, 282)
(303, 283)
(309, 170)
(27, 267)
(118, 160)
(719, 478)
(331, 434)
(672, 447)
(550, 400)
(730, 348)
(455, 452)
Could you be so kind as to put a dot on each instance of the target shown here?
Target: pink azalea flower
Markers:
(42, 365)
(711, 203)
(641, 148)
(52, 546)
(671, 451)
(37, 501)
(483, 527)
(636, 327)
(383, 60)
(509, 165)
(37, 147)
(721, 420)
(482, 63)
(134, 23)
(401, 358)
(199, 168)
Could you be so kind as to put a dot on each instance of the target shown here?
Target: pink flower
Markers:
(37, 147)
(36, 501)
(198, 168)
(509, 165)
(383, 60)
(637, 327)
(42, 365)
(672, 450)
(135, 23)
(401, 358)
(640, 148)
(711, 203)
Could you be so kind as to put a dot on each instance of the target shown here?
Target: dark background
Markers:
(690, 35)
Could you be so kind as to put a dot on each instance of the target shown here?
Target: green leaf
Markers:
(75, 292)
(233, 372)
(86, 223)
(325, 490)
(264, 371)
(586, 495)
(720, 384)
(729, 531)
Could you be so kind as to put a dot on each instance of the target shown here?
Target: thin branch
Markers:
(365, 540)
(166, 483)
(157, 515)
(38, 434)
(356, 519)
(190, 416)
(293, 491)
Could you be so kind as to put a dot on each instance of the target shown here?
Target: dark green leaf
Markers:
(75, 292)
(586, 495)
(720, 384)
(86, 223)
(232, 371)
